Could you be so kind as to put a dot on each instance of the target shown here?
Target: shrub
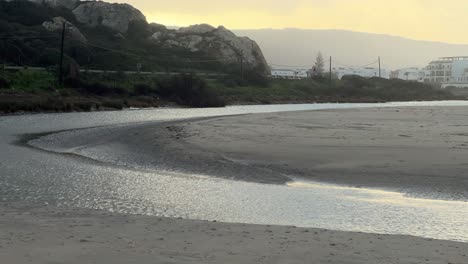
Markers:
(189, 90)
(29, 80)
(114, 104)
(143, 89)
(4, 83)
(97, 88)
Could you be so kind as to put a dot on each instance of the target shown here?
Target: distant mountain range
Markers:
(299, 47)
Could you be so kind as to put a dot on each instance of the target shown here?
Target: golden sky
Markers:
(434, 20)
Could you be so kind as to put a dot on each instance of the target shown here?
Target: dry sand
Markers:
(57, 235)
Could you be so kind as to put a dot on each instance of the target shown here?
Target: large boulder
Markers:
(219, 43)
(196, 29)
(115, 16)
(242, 46)
(56, 25)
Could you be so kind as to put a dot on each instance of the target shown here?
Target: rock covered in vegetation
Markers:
(212, 48)
(57, 25)
(219, 42)
(115, 16)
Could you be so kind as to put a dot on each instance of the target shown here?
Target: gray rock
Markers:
(196, 29)
(155, 27)
(115, 16)
(242, 46)
(157, 36)
(219, 42)
(172, 43)
(56, 25)
(191, 42)
(70, 4)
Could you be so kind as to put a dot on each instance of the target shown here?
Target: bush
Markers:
(253, 77)
(114, 104)
(4, 83)
(189, 90)
(143, 89)
(96, 88)
(29, 80)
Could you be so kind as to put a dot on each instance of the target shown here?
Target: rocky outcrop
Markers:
(70, 4)
(115, 16)
(219, 43)
(56, 25)
(196, 29)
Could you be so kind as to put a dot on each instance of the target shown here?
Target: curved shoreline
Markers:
(193, 146)
(59, 234)
(167, 151)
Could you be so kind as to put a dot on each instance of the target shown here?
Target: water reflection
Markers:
(39, 177)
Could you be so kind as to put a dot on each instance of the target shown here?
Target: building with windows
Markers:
(448, 72)
(289, 73)
(409, 74)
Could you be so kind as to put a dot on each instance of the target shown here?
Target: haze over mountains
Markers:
(300, 46)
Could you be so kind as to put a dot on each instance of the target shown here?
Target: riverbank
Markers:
(54, 235)
(415, 150)
(31, 91)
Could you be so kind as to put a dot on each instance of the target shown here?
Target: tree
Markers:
(319, 65)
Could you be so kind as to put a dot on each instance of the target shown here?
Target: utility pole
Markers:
(60, 77)
(242, 65)
(380, 70)
(330, 72)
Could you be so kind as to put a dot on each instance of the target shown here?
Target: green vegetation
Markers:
(349, 89)
(30, 90)
(32, 81)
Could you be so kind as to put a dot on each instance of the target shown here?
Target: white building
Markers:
(409, 74)
(366, 72)
(448, 71)
(289, 73)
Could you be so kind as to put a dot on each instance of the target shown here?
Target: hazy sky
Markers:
(435, 20)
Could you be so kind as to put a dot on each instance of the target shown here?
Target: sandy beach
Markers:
(58, 235)
(417, 150)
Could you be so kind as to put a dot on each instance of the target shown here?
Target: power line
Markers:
(23, 38)
(161, 60)
(355, 66)
(121, 52)
(291, 66)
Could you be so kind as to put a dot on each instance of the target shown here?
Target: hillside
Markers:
(126, 51)
(109, 36)
(300, 47)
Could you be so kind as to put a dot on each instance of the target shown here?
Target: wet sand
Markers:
(414, 149)
(421, 151)
(58, 235)
(417, 148)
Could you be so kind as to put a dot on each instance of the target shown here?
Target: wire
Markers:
(23, 38)
(355, 66)
(165, 60)
(291, 66)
